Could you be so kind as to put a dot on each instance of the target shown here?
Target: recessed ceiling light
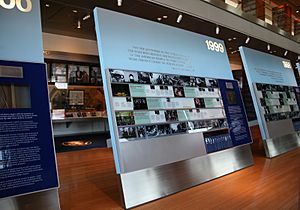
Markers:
(165, 16)
(86, 17)
(179, 18)
(234, 38)
(268, 47)
(159, 18)
(297, 11)
(78, 24)
(285, 53)
(47, 5)
(119, 3)
(247, 40)
(217, 29)
(74, 10)
(229, 39)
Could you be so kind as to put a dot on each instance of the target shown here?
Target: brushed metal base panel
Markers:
(279, 145)
(41, 200)
(149, 184)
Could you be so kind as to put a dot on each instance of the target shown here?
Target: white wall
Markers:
(60, 43)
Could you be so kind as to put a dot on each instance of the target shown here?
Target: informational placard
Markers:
(27, 156)
(148, 110)
(271, 81)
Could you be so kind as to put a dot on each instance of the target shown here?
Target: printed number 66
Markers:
(18, 3)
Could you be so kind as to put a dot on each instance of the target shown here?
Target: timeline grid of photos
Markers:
(278, 102)
(149, 105)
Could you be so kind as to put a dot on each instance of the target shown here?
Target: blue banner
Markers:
(235, 112)
(27, 156)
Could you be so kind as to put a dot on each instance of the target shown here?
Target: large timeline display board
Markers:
(152, 105)
(276, 99)
(172, 106)
(27, 156)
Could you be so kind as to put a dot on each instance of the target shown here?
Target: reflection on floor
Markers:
(88, 181)
(72, 143)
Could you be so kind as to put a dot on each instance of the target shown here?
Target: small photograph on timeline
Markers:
(143, 78)
(127, 132)
(117, 76)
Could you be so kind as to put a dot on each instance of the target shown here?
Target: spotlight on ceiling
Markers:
(159, 18)
(165, 17)
(86, 17)
(268, 47)
(47, 5)
(217, 29)
(179, 18)
(285, 53)
(119, 3)
(247, 40)
(74, 10)
(78, 24)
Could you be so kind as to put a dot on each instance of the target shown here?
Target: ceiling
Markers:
(62, 16)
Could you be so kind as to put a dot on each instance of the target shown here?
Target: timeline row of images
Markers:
(134, 90)
(167, 116)
(74, 74)
(270, 87)
(152, 131)
(282, 116)
(128, 103)
(124, 76)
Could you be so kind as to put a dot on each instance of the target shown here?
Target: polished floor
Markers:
(88, 182)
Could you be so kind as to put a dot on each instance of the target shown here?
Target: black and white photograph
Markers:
(223, 123)
(117, 75)
(120, 90)
(178, 127)
(200, 82)
(167, 79)
(125, 118)
(127, 132)
(176, 80)
(178, 92)
(156, 79)
(131, 76)
(143, 78)
(192, 82)
(171, 115)
(78, 74)
(140, 104)
(96, 78)
(211, 82)
(185, 80)
(151, 131)
(59, 72)
(164, 129)
(141, 131)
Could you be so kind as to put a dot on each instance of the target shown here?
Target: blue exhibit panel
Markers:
(127, 42)
(235, 112)
(265, 68)
(27, 156)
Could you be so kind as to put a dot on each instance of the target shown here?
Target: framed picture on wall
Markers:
(59, 72)
(78, 74)
(76, 97)
(96, 78)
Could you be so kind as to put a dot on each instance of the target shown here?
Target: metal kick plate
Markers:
(36, 201)
(279, 145)
(149, 184)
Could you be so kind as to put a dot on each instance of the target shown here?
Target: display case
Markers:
(76, 97)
